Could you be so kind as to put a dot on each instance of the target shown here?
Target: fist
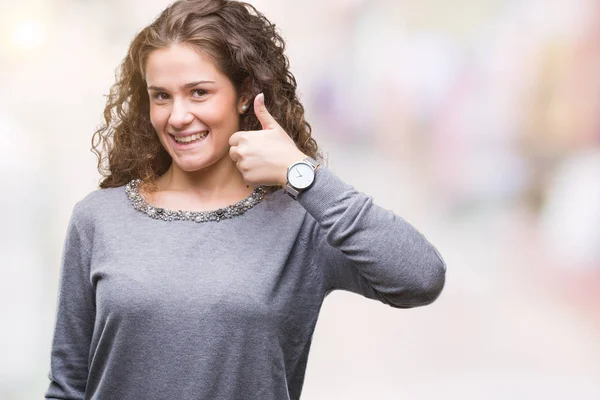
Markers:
(263, 156)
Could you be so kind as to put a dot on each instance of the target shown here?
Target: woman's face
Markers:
(194, 107)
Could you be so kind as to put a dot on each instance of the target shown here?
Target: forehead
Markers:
(180, 63)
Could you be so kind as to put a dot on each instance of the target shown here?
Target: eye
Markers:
(160, 96)
(199, 92)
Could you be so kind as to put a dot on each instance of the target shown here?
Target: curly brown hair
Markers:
(244, 45)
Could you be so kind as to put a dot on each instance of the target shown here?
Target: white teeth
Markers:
(191, 138)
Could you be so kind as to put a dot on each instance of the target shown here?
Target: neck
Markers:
(215, 183)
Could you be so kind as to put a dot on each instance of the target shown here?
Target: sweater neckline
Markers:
(139, 203)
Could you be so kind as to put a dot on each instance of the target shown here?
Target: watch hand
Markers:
(299, 174)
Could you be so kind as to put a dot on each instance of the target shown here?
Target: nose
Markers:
(180, 115)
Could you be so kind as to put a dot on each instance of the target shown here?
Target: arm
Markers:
(75, 317)
(369, 250)
(362, 247)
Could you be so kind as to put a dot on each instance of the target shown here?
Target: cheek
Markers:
(225, 118)
(157, 118)
(222, 111)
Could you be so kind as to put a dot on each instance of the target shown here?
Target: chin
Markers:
(200, 161)
(194, 166)
(191, 167)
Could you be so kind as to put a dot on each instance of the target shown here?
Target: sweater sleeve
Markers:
(75, 316)
(369, 250)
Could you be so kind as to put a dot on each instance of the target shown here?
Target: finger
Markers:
(240, 136)
(233, 154)
(264, 117)
(234, 139)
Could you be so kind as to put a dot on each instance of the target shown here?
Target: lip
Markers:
(184, 146)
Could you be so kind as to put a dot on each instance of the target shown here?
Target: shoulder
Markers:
(96, 204)
(100, 199)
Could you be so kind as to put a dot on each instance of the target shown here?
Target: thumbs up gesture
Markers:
(264, 156)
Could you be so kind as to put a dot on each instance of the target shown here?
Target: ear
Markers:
(242, 106)
(245, 96)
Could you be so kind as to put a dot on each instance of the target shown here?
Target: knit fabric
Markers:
(151, 309)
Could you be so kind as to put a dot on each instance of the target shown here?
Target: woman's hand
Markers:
(264, 156)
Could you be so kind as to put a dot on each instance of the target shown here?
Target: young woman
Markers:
(198, 268)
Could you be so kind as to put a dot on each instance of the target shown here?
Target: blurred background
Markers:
(478, 121)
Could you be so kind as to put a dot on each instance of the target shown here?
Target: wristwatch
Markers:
(300, 176)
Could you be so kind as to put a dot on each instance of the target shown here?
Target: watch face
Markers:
(301, 176)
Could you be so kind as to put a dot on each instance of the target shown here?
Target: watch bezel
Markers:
(293, 191)
(312, 168)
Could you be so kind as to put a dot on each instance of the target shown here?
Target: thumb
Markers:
(264, 117)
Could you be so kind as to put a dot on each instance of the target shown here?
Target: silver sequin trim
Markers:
(165, 214)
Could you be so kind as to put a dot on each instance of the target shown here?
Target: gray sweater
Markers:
(152, 309)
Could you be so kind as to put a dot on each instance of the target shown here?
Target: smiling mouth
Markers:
(197, 137)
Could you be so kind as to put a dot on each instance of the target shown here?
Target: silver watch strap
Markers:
(291, 191)
(314, 163)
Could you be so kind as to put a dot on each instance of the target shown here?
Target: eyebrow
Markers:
(186, 86)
